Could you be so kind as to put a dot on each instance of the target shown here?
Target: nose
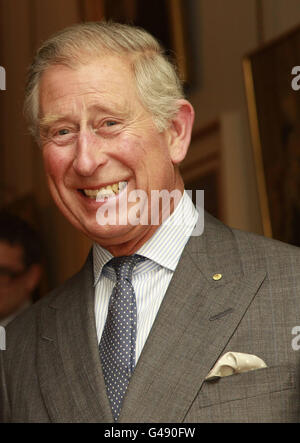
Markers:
(89, 154)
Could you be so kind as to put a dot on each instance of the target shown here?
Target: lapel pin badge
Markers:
(217, 277)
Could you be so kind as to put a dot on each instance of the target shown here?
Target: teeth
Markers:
(122, 185)
(106, 191)
(90, 193)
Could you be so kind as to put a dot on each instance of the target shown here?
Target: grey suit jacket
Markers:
(51, 370)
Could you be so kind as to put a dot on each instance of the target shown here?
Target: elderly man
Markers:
(161, 324)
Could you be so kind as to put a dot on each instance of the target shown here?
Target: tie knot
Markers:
(124, 266)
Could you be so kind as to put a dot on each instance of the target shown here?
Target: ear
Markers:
(180, 130)
(33, 277)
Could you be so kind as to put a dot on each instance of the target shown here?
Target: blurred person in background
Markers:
(20, 266)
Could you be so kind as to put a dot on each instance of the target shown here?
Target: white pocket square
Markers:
(234, 363)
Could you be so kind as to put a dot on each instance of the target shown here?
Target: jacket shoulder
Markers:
(254, 251)
(265, 245)
(23, 329)
(257, 251)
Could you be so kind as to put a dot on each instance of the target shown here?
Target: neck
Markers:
(132, 246)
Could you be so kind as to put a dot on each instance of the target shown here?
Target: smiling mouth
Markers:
(104, 192)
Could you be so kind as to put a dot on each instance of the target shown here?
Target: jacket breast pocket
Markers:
(246, 385)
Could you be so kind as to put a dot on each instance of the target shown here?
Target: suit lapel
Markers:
(196, 320)
(68, 361)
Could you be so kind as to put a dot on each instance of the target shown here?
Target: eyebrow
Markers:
(52, 118)
(49, 119)
(112, 109)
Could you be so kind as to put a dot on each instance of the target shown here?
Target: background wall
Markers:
(225, 30)
(228, 30)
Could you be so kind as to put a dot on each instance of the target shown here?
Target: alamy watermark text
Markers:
(2, 339)
(2, 79)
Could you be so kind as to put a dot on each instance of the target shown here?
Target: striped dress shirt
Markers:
(150, 278)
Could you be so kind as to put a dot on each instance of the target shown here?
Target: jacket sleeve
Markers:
(4, 403)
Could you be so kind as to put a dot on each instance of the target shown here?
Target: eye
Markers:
(63, 136)
(107, 128)
(111, 123)
(63, 131)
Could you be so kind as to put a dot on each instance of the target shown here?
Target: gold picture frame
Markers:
(274, 118)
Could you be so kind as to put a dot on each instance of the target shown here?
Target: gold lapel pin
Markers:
(217, 277)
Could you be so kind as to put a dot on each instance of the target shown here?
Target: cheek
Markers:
(131, 152)
(138, 148)
(55, 163)
(149, 159)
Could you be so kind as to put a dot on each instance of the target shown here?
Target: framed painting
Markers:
(274, 117)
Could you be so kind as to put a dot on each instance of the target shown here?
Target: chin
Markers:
(105, 235)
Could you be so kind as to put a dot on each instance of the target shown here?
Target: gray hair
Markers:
(158, 85)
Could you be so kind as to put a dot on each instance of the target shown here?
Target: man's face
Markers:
(13, 279)
(95, 132)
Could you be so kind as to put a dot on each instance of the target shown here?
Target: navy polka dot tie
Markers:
(117, 345)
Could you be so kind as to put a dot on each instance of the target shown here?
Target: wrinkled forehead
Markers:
(99, 82)
(111, 67)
